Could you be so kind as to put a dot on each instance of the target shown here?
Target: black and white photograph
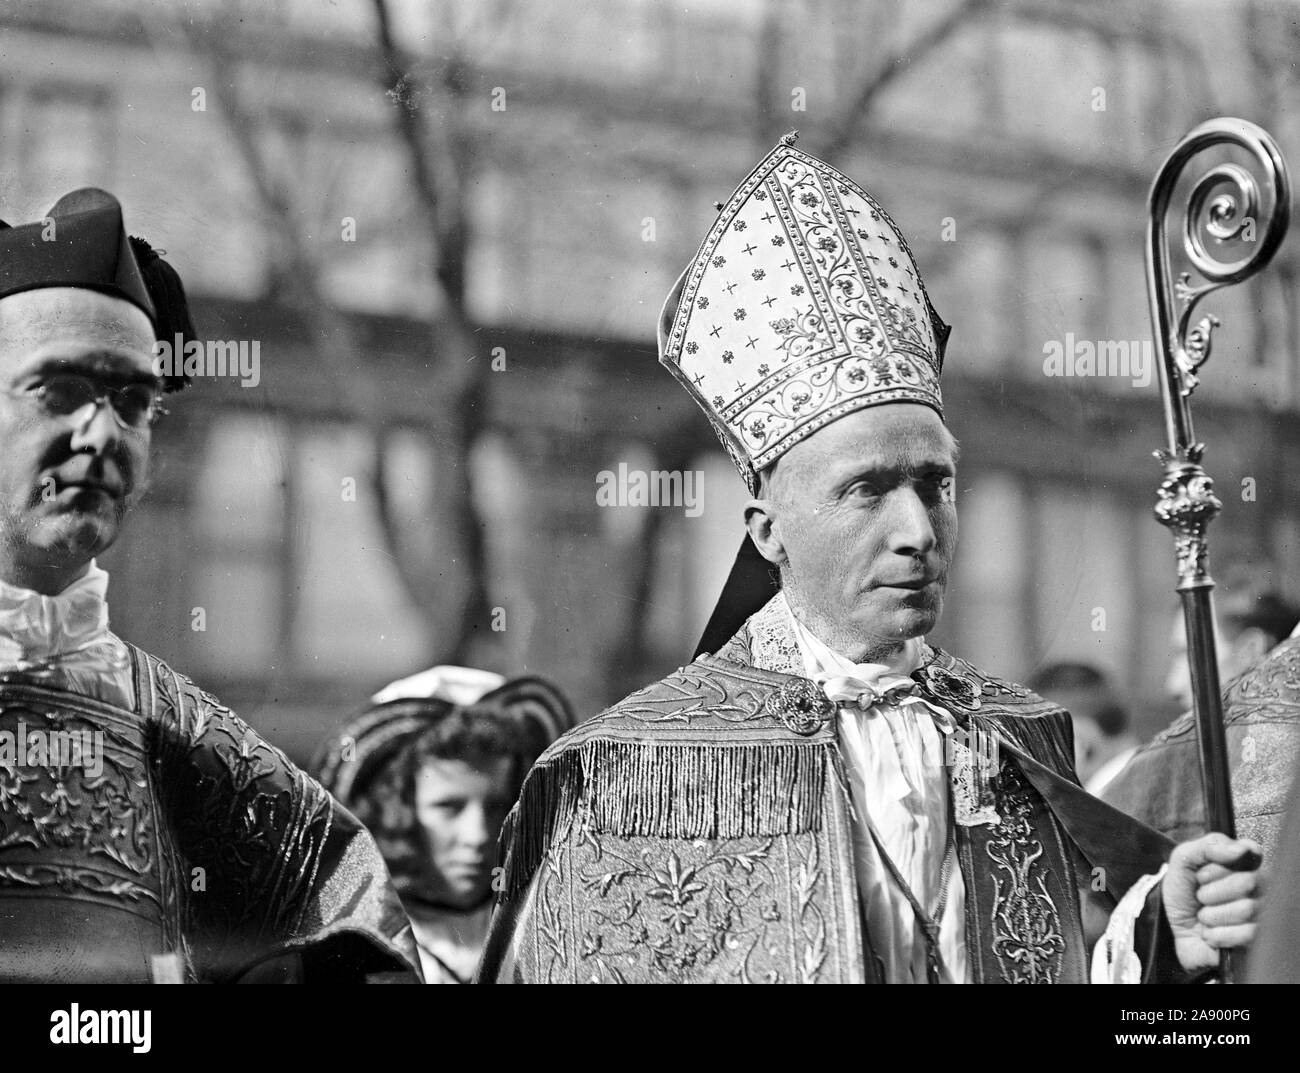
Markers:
(648, 492)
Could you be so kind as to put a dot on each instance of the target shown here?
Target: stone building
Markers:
(1013, 142)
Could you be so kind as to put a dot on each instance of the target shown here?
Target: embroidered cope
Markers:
(169, 841)
(712, 827)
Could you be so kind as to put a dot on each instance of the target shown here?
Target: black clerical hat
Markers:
(82, 242)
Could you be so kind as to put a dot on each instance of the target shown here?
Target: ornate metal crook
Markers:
(1227, 204)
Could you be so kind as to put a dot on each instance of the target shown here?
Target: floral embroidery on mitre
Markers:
(843, 320)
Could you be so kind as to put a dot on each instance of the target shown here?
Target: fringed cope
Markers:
(665, 790)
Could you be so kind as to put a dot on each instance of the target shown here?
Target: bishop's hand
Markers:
(1211, 896)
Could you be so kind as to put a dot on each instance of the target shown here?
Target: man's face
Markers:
(461, 808)
(66, 480)
(864, 512)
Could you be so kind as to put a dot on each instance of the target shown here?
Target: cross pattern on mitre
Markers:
(803, 304)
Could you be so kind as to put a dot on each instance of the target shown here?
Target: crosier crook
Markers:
(1224, 203)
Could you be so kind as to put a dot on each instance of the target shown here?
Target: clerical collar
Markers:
(905, 661)
(35, 628)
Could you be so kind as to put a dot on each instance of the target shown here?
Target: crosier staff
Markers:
(1223, 204)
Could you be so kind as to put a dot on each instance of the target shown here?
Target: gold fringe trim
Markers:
(640, 789)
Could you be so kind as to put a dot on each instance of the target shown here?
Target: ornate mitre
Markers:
(802, 305)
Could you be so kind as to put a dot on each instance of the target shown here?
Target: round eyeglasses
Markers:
(135, 406)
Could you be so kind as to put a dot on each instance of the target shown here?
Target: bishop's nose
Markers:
(911, 529)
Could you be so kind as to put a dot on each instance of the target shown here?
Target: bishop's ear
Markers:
(761, 519)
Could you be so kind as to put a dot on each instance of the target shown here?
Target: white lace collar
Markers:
(819, 656)
(35, 628)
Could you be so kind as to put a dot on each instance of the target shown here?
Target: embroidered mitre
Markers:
(803, 304)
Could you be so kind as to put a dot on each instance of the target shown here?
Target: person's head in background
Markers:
(458, 781)
(436, 805)
(433, 767)
(1101, 722)
(1251, 618)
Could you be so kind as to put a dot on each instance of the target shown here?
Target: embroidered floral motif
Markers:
(883, 370)
(89, 834)
(684, 909)
(811, 919)
(1027, 939)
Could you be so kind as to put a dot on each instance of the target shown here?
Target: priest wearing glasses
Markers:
(826, 797)
(146, 832)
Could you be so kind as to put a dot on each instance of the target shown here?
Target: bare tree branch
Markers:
(438, 174)
(300, 280)
(894, 65)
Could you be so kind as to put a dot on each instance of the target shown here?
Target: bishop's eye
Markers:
(862, 490)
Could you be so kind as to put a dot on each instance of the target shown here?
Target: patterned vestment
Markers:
(700, 831)
(1161, 785)
(189, 836)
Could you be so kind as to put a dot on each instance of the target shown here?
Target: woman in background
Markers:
(432, 767)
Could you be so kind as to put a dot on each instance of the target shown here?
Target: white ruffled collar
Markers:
(35, 628)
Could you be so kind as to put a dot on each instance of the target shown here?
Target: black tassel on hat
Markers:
(171, 307)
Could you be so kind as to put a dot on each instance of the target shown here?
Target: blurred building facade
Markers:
(1014, 147)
